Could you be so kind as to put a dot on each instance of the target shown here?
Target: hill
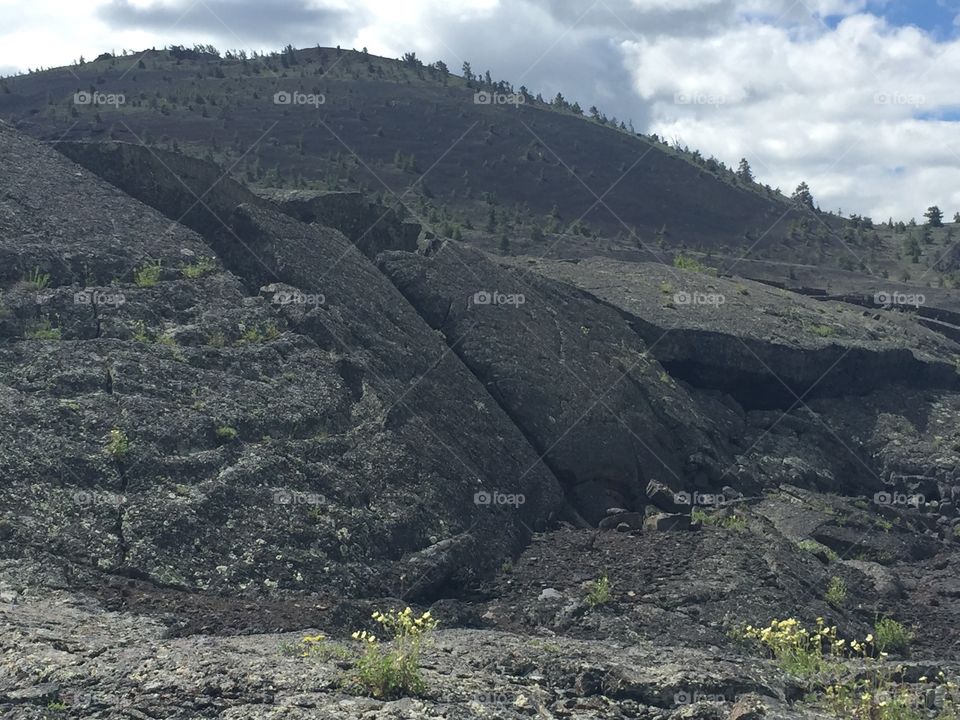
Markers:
(241, 418)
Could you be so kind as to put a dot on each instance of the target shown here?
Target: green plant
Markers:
(140, 333)
(389, 673)
(718, 519)
(600, 591)
(254, 335)
(38, 279)
(118, 444)
(836, 592)
(42, 330)
(813, 547)
(797, 650)
(225, 432)
(148, 274)
(201, 267)
(891, 636)
(684, 262)
(871, 690)
(823, 330)
(315, 646)
(883, 524)
(217, 340)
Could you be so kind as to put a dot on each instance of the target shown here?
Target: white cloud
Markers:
(838, 109)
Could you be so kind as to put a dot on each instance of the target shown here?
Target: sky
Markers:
(856, 97)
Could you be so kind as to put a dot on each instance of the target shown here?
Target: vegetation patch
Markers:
(601, 591)
(877, 691)
(389, 672)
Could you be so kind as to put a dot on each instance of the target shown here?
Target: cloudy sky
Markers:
(858, 97)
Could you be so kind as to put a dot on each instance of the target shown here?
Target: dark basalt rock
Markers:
(290, 444)
(570, 372)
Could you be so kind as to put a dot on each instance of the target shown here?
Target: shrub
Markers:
(315, 646)
(891, 636)
(202, 267)
(823, 330)
(836, 592)
(118, 444)
(688, 263)
(147, 275)
(727, 522)
(389, 673)
(797, 650)
(38, 279)
(254, 335)
(813, 547)
(600, 591)
(42, 330)
(225, 432)
(871, 690)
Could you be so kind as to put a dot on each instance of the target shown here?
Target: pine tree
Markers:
(744, 172)
(934, 216)
(803, 196)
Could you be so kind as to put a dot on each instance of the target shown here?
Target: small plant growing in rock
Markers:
(836, 592)
(42, 330)
(251, 336)
(796, 649)
(217, 340)
(892, 636)
(201, 267)
(716, 519)
(38, 279)
(225, 432)
(823, 331)
(688, 263)
(871, 690)
(118, 444)
(813, 547)
(315, 646)
(147, 275)
(600, 591)
(389, 673)
(140, 333)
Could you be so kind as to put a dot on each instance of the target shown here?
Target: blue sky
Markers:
(934, 16)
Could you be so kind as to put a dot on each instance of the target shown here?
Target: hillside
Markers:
(393, 127)
(249, 401)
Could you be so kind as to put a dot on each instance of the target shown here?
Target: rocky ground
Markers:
(230, 421)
